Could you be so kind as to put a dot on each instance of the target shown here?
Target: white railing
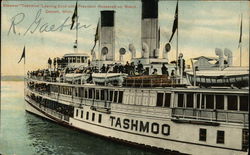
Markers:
(147, 111)
(211, 115)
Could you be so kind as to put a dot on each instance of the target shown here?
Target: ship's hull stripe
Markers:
(59, 121)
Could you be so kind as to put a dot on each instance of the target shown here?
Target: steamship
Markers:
(167, 113)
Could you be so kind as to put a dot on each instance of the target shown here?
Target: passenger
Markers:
(172, 73)
(164, 70)
(132, 68)
(49, 62)
(54, 62)
(155, 72)
(140, 67)
(146, 72)
(88, 62)
(58, 61)
(107, 69)
(115, 69)
(121, 68)
(183, 64)
(103, 69)
(127, 67)
(196, 68)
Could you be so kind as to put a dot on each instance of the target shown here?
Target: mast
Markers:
(240, 41)
(177, 32)
(76, 27)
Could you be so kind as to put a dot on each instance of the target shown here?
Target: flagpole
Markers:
(24, 73)
(240, 53)
(77, 27)
(99, 40)
(177, 32)
(241, 42)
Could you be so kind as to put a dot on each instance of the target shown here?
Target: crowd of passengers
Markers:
(129, 68)
(40, 87)
(61, 108)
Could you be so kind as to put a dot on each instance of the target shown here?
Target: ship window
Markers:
(70, 91)
(70, 59)
(220, 137)
(110, 95)
(87, 115)
(90, 93)
(76, 112)
(203, 135)
(97, 94)
(82, 59)
(102, 95)
(245, 136)
(100, 118)
(219, 101)
(93, 116)
(76, 91)
(167, 99)
(85, 93)
(78, 59)
(81, 113)
(159, 99)
(190, 100)
(120, 97)
(180, 100)
(232, 102)
(244, 103)
(200, 101)
(74, 59)
(115, 96)
(81, 92)
(209, 101)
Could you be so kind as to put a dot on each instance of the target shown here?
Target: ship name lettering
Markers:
(141, 126)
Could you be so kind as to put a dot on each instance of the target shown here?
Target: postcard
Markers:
(124, 77)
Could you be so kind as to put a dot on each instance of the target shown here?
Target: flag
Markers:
(159, 37)
(97, 32)
(23, 55)
(97, 36)
(74, 17)
(175, 25)
(240, 32)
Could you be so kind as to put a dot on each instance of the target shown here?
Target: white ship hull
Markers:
(162, 134)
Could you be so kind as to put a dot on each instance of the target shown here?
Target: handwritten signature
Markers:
(39, 25)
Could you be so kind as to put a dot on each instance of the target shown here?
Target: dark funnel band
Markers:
(107, 18)
(149, 9)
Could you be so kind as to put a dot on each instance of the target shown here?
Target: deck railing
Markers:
(211, 115)
(43, 78)
(152, 81)
(74, 100)
(49, 111)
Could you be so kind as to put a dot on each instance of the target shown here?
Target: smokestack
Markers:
(107, 37)
(132, 49)
(149, 25)
(219, 53)
(229, 55)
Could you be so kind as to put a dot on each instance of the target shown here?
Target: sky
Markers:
(203, 26)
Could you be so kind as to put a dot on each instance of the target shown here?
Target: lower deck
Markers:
(145, 129)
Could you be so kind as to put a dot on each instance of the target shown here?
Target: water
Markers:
(22, 133)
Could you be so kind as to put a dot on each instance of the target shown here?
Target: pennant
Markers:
(74, 17)
(23, 55)
(240, 32)
(175, 25)
(97, 36)
(97, 32)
